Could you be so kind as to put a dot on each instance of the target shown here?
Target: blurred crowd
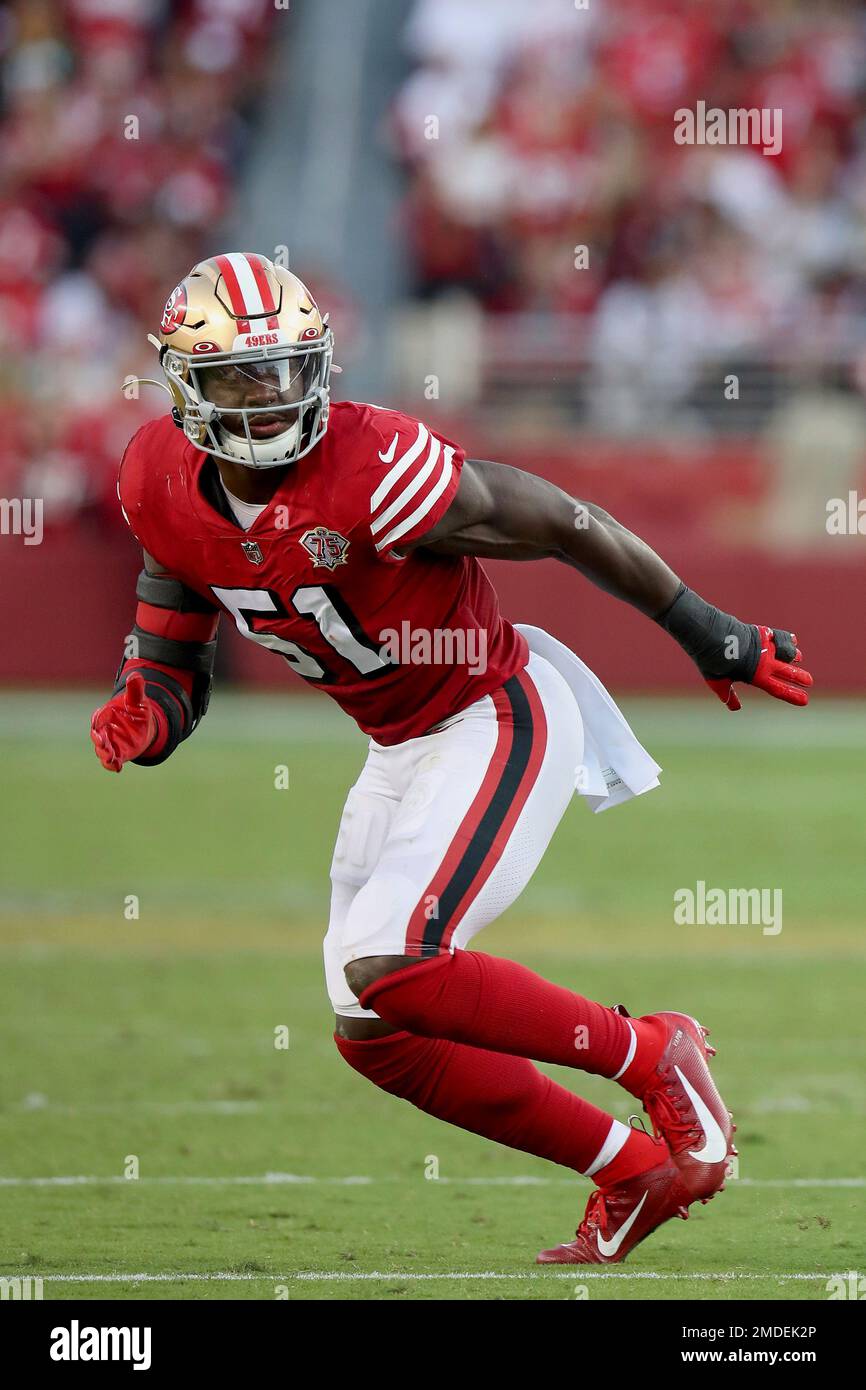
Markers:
(526, 130)
(530, 130)
(122, 125)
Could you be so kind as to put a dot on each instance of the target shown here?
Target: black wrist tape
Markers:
(721, 646)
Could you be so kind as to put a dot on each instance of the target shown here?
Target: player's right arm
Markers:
(163, 684)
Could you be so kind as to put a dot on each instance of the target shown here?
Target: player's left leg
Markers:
(496, 1004)
(506, 1099)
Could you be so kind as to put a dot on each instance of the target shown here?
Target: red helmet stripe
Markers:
(261, 279)
(236, 299)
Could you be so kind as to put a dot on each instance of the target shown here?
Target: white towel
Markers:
(616, 766)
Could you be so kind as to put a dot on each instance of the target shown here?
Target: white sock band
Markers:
(629, 1056)
(616, 1137)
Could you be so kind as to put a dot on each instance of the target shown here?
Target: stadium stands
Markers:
(123, 123)
(528, 131)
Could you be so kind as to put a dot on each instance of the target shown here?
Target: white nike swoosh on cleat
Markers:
(390, 451)
(715, 1144)
(610, 1247)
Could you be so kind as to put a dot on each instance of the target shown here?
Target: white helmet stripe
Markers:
(250, 293)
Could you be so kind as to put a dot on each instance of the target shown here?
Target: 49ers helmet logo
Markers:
(327, 548)
(174, 312)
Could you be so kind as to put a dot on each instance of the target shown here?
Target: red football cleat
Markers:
(685, 1107)
(618, 1218)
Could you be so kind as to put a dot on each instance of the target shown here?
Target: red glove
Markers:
(125, 727)
(778, 671)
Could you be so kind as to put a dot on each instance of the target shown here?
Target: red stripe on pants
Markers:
(469, 826)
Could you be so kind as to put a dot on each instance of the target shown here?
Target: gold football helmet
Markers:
(247, 358)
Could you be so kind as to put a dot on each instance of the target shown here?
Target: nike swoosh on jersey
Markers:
(610, 1247)
(715, 1144)
(390, 451)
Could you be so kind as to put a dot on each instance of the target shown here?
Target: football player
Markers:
(319, 528)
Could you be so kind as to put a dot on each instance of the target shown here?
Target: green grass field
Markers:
(269, 1172)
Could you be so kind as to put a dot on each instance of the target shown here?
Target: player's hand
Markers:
(126, 726)
(778, 671)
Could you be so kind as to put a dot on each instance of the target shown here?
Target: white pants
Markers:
(440, 834)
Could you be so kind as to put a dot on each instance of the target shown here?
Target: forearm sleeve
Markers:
(173, 645)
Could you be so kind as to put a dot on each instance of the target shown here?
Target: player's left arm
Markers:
(500, 512)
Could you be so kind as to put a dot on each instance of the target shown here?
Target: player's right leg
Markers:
(409, 904)
(389, 854)
(506, 1099)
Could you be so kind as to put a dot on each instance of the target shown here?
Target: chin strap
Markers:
(239, 447)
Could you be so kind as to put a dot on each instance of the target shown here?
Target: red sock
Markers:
(492, 1003)
(502, 1098)
(651, 1037)
(639, 1152)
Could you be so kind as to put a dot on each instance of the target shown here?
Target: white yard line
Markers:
(401, 1276)
(36, 1104)
(300, 1179)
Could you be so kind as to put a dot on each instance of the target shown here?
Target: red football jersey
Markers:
(401, 641)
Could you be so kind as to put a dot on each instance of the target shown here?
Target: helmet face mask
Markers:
(249, 387)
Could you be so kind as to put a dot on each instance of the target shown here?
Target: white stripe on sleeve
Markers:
(403, 527)
(405, 461)
(420, 478)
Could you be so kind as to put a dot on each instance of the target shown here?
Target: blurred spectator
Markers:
(123, 122)
(555, 131)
